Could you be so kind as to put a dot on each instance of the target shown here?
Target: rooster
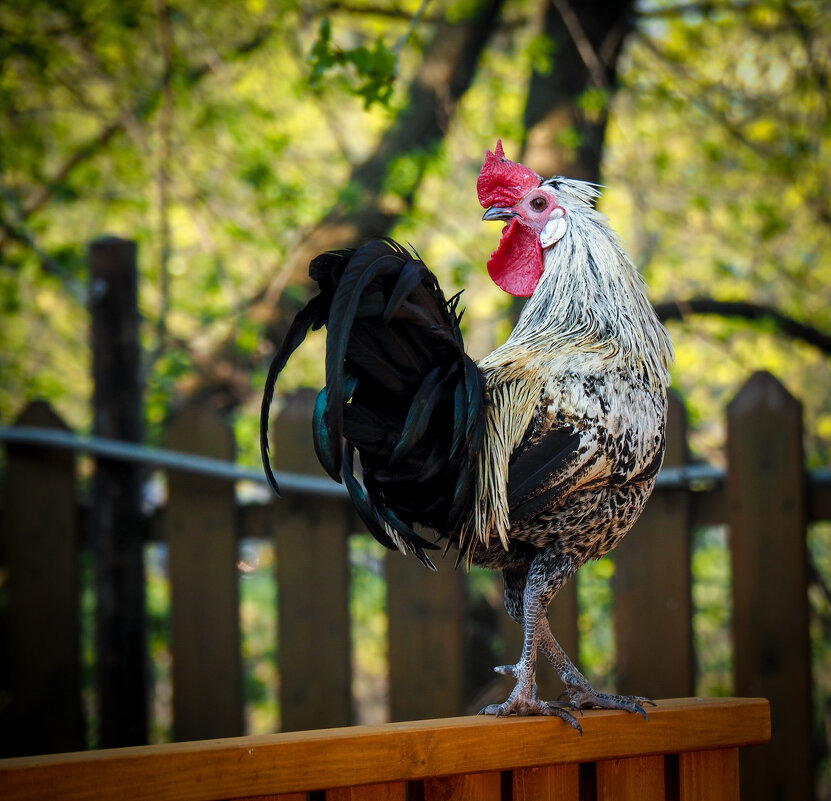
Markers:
(533, 461)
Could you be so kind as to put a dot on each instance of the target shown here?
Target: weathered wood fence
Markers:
(767, 501)
(687, 752)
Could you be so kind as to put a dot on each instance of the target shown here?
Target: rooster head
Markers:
(535, 215)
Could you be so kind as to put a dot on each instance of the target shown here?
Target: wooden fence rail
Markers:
(767, 501)
(688, 751)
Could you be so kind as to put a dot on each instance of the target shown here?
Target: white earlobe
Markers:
(554, 230)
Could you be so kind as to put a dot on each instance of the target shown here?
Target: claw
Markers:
(513, 670)
(579, 697)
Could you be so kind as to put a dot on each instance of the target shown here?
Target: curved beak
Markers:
(499, 213)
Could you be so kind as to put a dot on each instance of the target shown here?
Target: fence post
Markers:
(200, 529)
(40, 546)
(313, 633)
(653, 592)
(116, 508)
(767, 518)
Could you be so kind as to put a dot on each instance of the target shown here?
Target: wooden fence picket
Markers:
(39, 540)
(115, 512)
(639, 778)
(313, 639)
(766, 491)
(653, 587)
(200, 529)
(550, 783)
(713, 775)
(426, 637)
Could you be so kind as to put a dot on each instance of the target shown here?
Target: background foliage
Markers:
(229, 139)
(221, 136)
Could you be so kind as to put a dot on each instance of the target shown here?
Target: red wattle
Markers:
(516, 265)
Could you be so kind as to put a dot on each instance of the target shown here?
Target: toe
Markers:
(578, 697)
(494, 709)
(555, 710)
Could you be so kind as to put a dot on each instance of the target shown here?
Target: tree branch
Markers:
(681, 309)
(376, 11)
(163, 165)
(411, 28)
(704, 8)
(594, 65)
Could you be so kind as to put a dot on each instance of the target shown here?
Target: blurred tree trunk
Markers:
(567, 107)
(445, 74)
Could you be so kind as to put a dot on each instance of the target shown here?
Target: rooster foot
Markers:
(529, 707)
(524, 701)
(578, 696)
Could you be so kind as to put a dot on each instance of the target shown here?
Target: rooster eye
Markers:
(539, 203)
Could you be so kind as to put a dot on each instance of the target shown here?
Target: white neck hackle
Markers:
(591, 299)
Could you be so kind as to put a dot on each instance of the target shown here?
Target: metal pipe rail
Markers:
(692, 476)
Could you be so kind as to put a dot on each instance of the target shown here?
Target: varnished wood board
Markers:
(322, 759)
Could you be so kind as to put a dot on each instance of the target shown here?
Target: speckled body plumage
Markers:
(534, 461)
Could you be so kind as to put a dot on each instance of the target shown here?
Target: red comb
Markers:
(503, 182)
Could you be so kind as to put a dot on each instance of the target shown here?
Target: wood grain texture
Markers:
(467, 787)
(388, 791)
(713, 775)
(313, 760)
(633, 779)
(555, 783)
(275, 797)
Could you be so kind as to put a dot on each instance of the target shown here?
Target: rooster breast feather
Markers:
(557, 443)
(400, 391)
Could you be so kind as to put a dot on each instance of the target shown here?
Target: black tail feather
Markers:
(309, 316)
(399, 389)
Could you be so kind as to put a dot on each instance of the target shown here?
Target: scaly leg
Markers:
(528, 591)
(579, 694)
(528, 606)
